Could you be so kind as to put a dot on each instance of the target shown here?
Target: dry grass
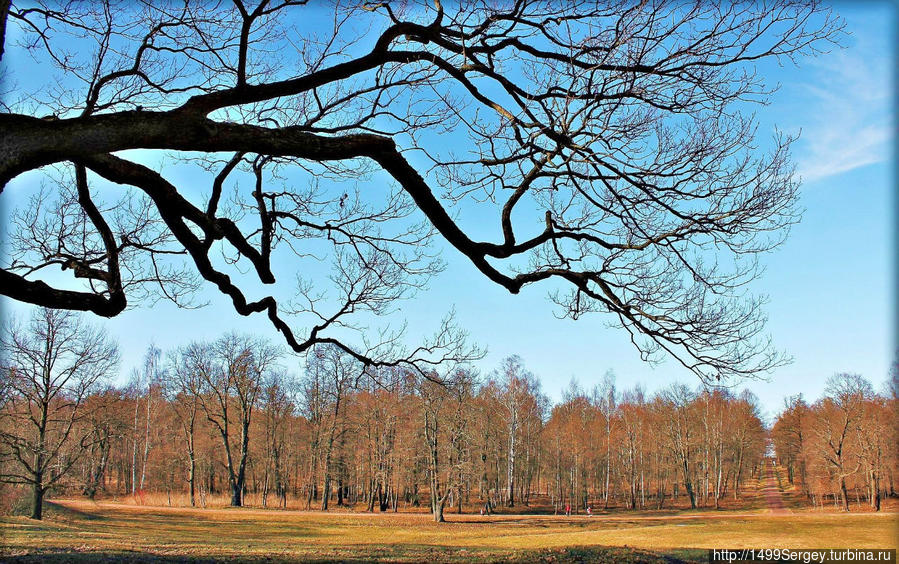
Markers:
(138, 533)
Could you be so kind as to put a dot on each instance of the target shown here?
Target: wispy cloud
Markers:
(850, 101)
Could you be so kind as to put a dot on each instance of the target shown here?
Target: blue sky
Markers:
(830, 285)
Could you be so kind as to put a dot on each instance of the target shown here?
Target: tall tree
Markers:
(52, 366)
(606, 400)
(313, 409)
(232, 369)
(789, 441)
(610, 143)
(516, 393)
(277, 408)
(748, 435)
(681, 431)
(145, 387)
(873, 427)
(836, 425)
(633, 418)
(445, 414)
(104, 425)
(184, 386)
(338, 373)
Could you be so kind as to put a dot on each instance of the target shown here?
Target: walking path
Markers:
(773, 496)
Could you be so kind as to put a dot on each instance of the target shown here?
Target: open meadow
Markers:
(768, 516)
(85, 531)
(447, 281)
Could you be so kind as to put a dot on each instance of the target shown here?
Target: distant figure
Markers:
(589, 511)
(568, 509)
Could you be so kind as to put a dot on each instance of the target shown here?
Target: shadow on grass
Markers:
(408, 553)
(56, 510)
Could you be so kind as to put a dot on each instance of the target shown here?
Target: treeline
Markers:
(225, 417)
(845, 445)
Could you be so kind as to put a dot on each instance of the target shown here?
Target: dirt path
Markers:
(773, 497)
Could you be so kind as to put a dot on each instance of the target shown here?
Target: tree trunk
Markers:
(720, 463)
(718, 487)
(143, 469)
(438, 510)
(459, 502)
(371, 497)
(642, 482)
(511, 472)
(134, 447)
(384, 497)
(242, 466)
(235, 494)
(876, 484)
(37, 500)
(191, 479)
(688, 484)
(326, 494)
(265, 481)
(844, 493)
(326, 491)
(605, 496)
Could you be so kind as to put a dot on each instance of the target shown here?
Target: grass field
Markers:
(81, 530)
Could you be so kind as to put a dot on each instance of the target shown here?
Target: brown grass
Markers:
(138, 533)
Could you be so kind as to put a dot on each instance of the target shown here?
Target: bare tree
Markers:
(681, 431)
(53, 365)
(445, 413)
(382, 410)
(516, 393)
(335, 373)
(277, 407)
(610, 141)
(605, 398)
(102, 424)
(184, 386)
(790, 441)
(232, 369)
(313, 409)
(633, 417)
(836, 425)
(145, 386)
(873, 428)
